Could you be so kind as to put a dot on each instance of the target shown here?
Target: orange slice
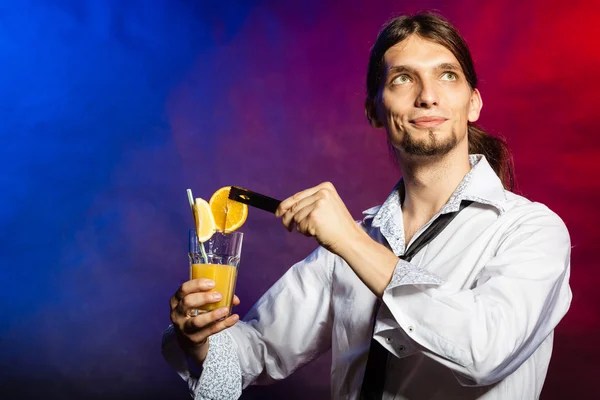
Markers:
(229, 214)
(205, 223)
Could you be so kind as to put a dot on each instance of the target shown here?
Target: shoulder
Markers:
(524, 216)
(520, 208)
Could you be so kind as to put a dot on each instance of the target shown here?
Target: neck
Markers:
(429, 182)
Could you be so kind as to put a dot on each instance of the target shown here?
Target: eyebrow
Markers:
(440, 67)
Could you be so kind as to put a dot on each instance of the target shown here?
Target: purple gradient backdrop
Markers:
(113, 110)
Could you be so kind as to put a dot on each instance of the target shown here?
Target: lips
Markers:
(428, 122)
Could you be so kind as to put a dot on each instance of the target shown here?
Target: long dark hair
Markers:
(435, 28)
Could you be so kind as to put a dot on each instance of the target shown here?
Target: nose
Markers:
(427, 96)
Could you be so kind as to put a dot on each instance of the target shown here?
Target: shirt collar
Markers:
(480, 185)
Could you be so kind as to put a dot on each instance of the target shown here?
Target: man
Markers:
(470, 316)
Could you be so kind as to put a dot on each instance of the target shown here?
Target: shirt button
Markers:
(389, 340)
(411, 328)
(401, 348)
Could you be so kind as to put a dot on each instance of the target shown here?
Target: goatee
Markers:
(430, 147)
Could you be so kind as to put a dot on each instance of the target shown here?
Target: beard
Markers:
(429, 147)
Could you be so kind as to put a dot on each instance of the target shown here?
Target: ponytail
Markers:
(495, 151)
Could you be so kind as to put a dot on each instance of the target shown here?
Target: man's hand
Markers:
(319, 212)
(191, 331)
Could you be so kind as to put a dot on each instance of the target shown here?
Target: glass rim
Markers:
(234, 233)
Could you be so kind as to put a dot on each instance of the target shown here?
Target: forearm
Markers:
(372, 262)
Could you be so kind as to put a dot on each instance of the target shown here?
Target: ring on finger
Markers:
(194, 312)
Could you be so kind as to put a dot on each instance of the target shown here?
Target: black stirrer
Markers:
(254, 199)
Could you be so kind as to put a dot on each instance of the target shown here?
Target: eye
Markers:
(449, 76)
(401, 79)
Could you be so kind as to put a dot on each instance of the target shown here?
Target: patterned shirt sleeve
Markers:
(408, 274)
(219, 378)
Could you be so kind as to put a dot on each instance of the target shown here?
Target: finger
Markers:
(193, 286)
(199, 336)
(196, 324)
(303, 220)
(173, 301)
(288, 218)
(197, 300)
(224, 324)
(218, 326)
(236, 300)
(289, 202)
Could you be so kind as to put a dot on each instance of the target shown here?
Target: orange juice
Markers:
(224, 277)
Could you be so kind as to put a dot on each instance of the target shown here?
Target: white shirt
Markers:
(470, 317)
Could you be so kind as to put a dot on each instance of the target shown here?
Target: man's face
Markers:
(425, 101)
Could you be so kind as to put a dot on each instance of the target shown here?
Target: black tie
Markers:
(374, 380)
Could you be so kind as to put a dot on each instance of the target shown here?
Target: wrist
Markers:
(197, 355)
(193, 366)
(354, 242)
(372, 262)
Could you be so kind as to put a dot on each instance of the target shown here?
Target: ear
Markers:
(475, 105)
(371, 113)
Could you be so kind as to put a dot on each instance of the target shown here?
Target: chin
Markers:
(435, 144)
